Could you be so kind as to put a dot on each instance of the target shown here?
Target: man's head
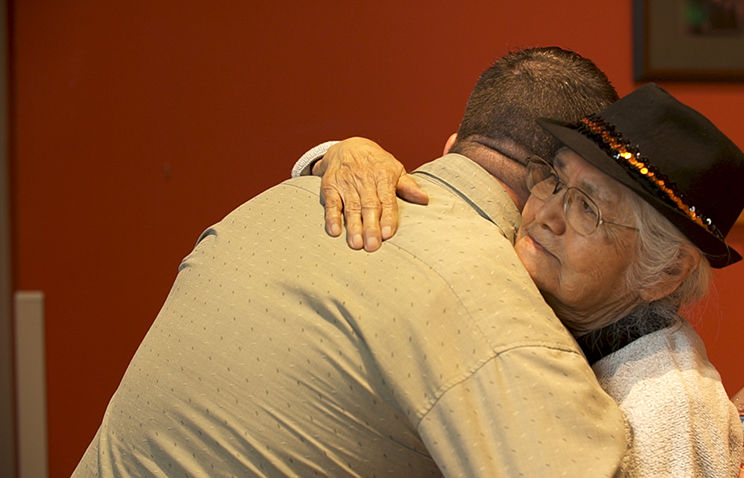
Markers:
(499, 129)
(524, 85)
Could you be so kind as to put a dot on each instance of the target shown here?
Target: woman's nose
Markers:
(551, 214)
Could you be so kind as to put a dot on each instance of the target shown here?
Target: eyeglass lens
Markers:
(581, 212)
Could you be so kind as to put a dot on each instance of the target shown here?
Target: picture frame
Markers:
(688, 40)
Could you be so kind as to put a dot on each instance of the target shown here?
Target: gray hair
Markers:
(659, 248)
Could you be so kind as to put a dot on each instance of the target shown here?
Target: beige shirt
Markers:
(282, 352)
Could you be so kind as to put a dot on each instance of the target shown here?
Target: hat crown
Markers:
(672, 157)
(696, 159)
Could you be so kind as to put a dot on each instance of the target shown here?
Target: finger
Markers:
(389, 212)
(409, 190)
(370, 214)
(371, 225)
(352, 210)
(353, 215)
(333, 207)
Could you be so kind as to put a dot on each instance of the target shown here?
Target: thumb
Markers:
(410, 191)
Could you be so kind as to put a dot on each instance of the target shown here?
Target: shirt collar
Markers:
(478, 188)
(600, 343)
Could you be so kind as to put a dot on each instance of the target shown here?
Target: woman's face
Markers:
(583, 277)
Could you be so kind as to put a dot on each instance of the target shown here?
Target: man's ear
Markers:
(450, 141)
(687, 262)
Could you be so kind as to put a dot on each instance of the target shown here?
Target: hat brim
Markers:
(718, 253)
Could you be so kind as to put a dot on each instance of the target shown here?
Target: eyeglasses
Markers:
(581, 212)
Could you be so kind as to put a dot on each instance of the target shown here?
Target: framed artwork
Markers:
(688, 40)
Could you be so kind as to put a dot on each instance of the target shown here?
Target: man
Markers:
(499, 131)
(282, 352)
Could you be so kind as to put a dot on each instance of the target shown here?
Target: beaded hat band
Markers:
(640, 167)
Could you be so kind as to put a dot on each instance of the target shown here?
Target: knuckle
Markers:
(370, 203)
(388, 198)
(353, 207)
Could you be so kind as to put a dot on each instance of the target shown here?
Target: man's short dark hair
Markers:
(524, 85)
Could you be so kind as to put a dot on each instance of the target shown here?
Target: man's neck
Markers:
(504, 160)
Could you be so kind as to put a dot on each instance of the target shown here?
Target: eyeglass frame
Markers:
(559, 184)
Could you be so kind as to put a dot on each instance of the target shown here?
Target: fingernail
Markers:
(357, 241)
(372, 243)
(335, 230)
(386, 231)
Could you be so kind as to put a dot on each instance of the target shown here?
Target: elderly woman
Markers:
(619, 233)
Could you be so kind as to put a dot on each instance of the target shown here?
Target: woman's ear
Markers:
(450, 141)
(688, 260)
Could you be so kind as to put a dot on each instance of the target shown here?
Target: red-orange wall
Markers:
(138, 124)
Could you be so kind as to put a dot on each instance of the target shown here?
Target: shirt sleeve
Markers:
(517, 416)
(304, 165)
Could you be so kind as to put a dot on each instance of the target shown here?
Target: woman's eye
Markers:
(586, 208)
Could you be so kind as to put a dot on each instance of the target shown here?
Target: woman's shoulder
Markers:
(647, 368)
(673, 399)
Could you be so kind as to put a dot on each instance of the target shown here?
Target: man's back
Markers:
(280, 351)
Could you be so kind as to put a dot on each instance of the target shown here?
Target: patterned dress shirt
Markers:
(282, 352)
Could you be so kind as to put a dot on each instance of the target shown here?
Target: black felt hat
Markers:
(671, 156)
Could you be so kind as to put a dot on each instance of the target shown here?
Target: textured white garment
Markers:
(681, 420)
(303, 166)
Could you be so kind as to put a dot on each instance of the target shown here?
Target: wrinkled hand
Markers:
(360, 181)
